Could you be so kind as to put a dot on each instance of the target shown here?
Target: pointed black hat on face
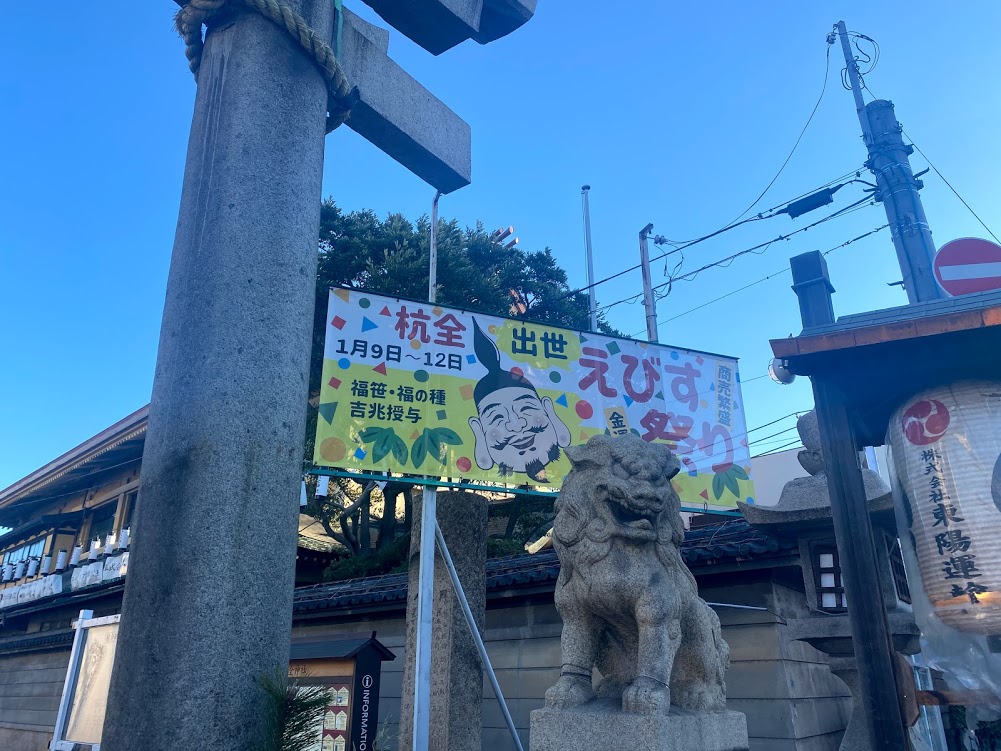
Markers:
(496, 378)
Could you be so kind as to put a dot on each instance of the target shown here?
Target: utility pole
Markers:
(896, 186)
(649, 305)
(591, 306)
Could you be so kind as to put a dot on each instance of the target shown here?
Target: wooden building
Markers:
(785, 686)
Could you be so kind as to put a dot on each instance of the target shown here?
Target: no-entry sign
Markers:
(968, 265)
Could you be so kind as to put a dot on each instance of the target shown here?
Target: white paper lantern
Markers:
(946, 446)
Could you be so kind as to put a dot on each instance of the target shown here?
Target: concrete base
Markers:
(602, 724)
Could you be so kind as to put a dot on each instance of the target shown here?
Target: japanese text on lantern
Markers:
(958, 564)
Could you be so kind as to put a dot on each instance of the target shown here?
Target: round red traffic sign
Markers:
(968, 265)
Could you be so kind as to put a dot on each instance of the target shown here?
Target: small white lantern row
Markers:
(946, 445)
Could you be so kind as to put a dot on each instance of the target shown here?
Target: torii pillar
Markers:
(208, 598)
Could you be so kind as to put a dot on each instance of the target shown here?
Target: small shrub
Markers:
(499, 547)
(293, 714)
(390, 560)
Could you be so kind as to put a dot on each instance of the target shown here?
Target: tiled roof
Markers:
(733, 540)
(45, 640)
(736, 539)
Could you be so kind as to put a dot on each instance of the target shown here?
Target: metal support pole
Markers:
(649, 304)
(72, 671)
(460, 595)
(429, 525)
(433, 251)
(897, 188)
(425, 605)
(591, 305)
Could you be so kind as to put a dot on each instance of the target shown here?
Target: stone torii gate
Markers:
(208, 603)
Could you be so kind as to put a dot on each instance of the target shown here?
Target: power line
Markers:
(769, 445)
(827, 70)
(763, 279)
(845, 179)
(780, 448)
(754, 249)
(780, 419)
(955, 192)
(781, 432)
(769, 214)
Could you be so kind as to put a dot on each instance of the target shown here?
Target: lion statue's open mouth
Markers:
(637, 519)
(629, 604)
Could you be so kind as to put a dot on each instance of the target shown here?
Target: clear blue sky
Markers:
(675, 113)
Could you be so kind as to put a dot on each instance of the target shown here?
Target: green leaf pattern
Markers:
(433, 442)
(728, 480)
(384, 442)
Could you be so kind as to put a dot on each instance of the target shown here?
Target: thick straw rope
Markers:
(192, 16)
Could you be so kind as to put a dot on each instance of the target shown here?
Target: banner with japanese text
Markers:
(420, 389)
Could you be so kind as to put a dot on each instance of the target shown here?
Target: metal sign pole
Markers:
(591, 305)
(425, 587)
(72, 671)
(475, 631)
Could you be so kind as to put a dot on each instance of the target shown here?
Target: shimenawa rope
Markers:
(197, 13)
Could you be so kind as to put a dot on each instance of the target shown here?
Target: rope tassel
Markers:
(198, 13)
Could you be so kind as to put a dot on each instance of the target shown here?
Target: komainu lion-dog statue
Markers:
(629, 604)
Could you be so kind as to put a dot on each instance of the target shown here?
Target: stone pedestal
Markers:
(601, 724)
(456, 672)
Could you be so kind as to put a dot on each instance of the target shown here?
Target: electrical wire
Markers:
(870, 60)
(823, 89)
(954, 191)
(763, 279)
(781, 432)
(758, 249)
(661, 241)
(780, 448)
(778, 420)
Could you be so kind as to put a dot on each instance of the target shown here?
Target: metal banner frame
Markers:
(59, 741)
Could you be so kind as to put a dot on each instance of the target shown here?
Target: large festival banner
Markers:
(421, 389)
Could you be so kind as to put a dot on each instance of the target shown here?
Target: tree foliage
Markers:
(391, 257)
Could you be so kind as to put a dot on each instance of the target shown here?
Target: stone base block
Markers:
(602, 725)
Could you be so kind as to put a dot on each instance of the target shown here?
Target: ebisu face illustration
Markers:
(516, 430)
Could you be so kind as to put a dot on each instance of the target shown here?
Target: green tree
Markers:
(391, 256)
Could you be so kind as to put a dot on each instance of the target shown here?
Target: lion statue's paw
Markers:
(700, 697)
(569, 691)
(646, 696)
